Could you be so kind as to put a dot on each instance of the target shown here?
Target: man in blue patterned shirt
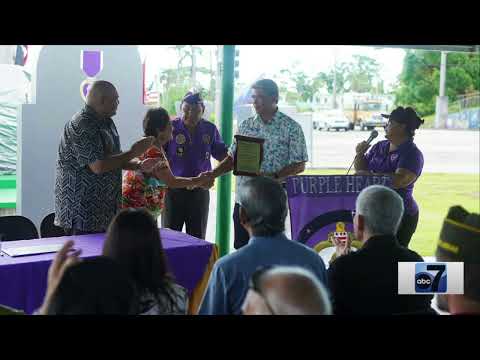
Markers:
(284, 149)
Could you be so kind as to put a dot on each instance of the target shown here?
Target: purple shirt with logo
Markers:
(407, 156)
(189, 156)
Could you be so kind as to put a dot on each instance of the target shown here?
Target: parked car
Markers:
(334, 120)
(376, 120)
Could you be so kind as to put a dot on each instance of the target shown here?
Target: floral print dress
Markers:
(140, 190)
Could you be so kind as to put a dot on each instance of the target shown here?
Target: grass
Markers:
(430, 119)
(429, 122)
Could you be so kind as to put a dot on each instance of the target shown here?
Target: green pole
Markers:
(224, 183)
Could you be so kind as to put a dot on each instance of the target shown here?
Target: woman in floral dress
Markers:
(147, 190)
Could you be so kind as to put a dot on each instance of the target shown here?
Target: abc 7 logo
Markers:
(423, 281)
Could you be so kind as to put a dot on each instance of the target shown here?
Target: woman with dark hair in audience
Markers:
(133, 240)
(148, 190)
(399, 157)
(97, 286)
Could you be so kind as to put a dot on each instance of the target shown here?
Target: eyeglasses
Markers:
(255, 283)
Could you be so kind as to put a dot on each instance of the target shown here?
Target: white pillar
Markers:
(441, 109)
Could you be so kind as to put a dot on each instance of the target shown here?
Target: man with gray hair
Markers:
(263, 209)
(284, 149)
(286, 290)
(366, 282)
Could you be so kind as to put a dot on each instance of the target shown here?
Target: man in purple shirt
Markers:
(195, 141)
(399, 157)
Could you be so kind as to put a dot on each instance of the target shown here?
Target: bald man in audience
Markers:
(89, 164)
(285, 290)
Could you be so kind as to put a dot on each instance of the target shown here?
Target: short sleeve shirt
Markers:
(190, 155)
(84, 200)
(284, 142)
(406, 156)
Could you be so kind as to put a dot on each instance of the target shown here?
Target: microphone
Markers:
(372, 136)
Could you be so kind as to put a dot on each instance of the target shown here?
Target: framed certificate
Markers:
(249, 155)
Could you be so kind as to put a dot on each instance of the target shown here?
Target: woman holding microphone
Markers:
(399, 157)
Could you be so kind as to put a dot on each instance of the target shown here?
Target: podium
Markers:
(318, 203)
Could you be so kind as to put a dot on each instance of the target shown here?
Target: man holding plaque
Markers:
(269, 144)
(195, 141)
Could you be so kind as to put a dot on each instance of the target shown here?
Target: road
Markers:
(450, 151)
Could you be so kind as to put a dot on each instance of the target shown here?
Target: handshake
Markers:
(205, 181)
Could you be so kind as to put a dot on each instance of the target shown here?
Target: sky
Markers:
(270, 59)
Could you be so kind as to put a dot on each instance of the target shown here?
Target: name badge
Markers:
(180, 151)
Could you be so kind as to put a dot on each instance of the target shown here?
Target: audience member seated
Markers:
(89, 286)
(263, 209)
(460, 241)
(133, 240)
(365, 282)
(286, 290)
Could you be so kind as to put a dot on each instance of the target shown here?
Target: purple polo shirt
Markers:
(189, 156)
(407, 156)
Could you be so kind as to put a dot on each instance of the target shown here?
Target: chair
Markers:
(17, 227)
(48, 229)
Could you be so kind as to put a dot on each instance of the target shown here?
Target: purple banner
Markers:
(318, 202)
(91, 62)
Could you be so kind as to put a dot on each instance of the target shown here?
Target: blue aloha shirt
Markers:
(284, 143)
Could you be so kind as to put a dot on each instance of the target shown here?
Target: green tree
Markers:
(362, 73)
(177, 81)
(419, 80)
(328, 78)
(305, 85)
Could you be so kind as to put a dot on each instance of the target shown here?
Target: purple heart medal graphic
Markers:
(91, 62)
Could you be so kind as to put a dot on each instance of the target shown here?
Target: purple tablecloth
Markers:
(23, 280)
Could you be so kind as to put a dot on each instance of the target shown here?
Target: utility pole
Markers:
(441, 110)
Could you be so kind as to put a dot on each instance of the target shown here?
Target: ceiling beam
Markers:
(449, 48)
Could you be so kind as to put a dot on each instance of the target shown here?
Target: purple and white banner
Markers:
(318, 202)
